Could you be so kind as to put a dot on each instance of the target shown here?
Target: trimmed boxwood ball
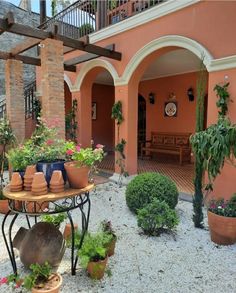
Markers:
(147, 186)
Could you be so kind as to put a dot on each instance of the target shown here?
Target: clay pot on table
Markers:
(77, 176)
(28, 177)
(57, 183)
(16, 183)
(39, 184)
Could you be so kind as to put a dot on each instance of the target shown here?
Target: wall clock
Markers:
(170, 109)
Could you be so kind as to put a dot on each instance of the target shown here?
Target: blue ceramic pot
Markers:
(48, 168)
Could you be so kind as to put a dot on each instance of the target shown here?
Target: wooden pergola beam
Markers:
(32, 60)
(86, 57)
(7, 24)
(24, 46)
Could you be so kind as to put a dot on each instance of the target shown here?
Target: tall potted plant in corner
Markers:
(82, 160)
(7, 138)
(213, 147)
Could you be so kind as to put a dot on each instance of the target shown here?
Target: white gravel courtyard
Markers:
(184, 262)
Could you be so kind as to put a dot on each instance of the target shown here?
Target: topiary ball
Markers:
(147, 186)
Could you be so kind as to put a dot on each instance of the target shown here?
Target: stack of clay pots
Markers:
(28, 177)
(16, 183)
(39, 184)
(57, 182)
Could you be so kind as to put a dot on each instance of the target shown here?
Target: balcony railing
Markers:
(86, 16)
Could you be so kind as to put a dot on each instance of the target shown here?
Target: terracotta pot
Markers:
(30, 170)
(4, 206)
(111, 247)
(16, 183)
(57, 178)
(39, 207)
(48, 168)
(96, 269)
(222, 229)
(67, 231)
(77, 176)
(55, 289)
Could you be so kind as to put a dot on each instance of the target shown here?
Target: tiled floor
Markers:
(181, 175)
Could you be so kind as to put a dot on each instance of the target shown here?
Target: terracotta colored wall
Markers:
(162, 87)
(29, 127)
(103, 126)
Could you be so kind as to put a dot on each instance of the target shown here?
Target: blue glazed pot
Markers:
(48, 168)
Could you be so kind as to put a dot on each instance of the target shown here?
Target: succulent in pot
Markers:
(82, 161)
(222, 220)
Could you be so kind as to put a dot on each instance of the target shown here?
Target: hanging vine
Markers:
(120, 147)
(199, 170)
(71, 122)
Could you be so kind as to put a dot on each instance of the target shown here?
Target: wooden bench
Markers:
(168, 143)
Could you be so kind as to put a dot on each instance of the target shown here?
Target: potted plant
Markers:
(7, 138)
(42, 280)
(93, 254)
(222, 220)
(110, 246)
(82, 161)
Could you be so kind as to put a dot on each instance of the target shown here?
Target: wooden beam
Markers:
(24, 46)
(86, 57)
(90, 48)
(32, 60)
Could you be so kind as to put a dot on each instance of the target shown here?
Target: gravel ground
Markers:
(186, 261)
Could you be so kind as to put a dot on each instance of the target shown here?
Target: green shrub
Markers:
(147, 186)
(157, 217)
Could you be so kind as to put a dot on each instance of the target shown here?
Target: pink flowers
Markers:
(69, 152)
(3, 281)
(49, 142)
(99, 146)
(78, 147)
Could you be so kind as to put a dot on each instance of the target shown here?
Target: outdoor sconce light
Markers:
(151, 97)
(190, 94)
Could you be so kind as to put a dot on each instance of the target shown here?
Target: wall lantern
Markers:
(190, 94)
(151, 97)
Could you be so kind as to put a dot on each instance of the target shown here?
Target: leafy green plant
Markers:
(223, 98)
(116, 113)
(157, 217)
(225, 208)
(93, 248)
(38, 277)
(56, 220)
(148, 186)
(107, 228)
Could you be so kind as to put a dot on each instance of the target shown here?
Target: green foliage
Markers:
(223, 207)
(223, 98)
(157, 217)
(107, 228)
(71, 122)
(120, 147)
(85, 29)
(56, 220)
(215, 145)
(116, 113)
(148, 186)
(93, 248)
(38, 276)
(37, 108)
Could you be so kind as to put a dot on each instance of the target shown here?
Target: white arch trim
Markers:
(68, 81)
(90, 65)
(162, 42)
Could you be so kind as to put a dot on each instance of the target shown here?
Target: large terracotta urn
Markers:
(77, 176)
(222, 229)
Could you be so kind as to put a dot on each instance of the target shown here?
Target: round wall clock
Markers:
(170, 109)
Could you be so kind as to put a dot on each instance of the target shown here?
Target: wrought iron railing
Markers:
(86, 16)
(31, 102)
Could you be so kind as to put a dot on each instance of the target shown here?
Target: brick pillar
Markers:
(52, 72)
(15, 97)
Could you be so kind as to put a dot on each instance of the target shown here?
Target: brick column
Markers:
(52, 72)
(15, 97)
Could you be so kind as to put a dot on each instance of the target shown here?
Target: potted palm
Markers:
(82, 161)
(93, 254)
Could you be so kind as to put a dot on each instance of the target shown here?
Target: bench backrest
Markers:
(170, 139)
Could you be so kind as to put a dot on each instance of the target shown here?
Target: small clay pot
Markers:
(40, 191)
(16, 181)
(67, 231)
(30, 171)
(96, 269)
(39, 179)
(57, 178)
(58, 190)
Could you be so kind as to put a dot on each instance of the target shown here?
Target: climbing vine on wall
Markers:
(117, 115)
(71, 122)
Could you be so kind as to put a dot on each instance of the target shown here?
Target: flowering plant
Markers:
(221, 207)
(84, 156)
